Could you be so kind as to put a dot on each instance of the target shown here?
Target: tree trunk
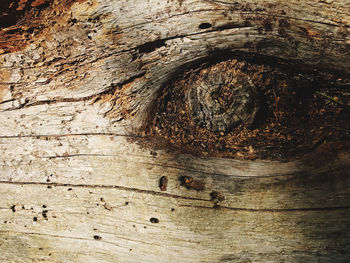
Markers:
(78, 81)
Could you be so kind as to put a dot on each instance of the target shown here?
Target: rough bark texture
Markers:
(76, 187)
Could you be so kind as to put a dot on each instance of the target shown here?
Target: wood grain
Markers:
(77, 186)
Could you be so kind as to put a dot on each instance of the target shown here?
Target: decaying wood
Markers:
(77, 187)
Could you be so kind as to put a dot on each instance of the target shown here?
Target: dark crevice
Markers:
(48, 102)
(205, 25)
(271, 210)
(123, 188)
(76, 155)
(131, 79)
(233, 25)
(6, 101)
(151, 46)
(44, 136)
(54, 101)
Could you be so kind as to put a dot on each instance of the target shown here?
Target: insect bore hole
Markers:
(205, 25)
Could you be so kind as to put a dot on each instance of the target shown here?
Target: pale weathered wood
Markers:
(77, 187)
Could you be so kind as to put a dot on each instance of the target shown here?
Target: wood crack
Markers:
(78, 155)
(260, 13)
(67, 237)
(221, 174)
(100, 186)
(43, 136)
(172, 16)
(55, 101)
(215, 206)
(271, 210)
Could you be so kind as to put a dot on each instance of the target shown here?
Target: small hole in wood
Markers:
(154, 220)
(205, 25)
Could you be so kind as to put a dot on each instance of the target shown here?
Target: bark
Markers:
(78, 79)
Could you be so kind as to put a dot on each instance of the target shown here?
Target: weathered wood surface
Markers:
(76, 187)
